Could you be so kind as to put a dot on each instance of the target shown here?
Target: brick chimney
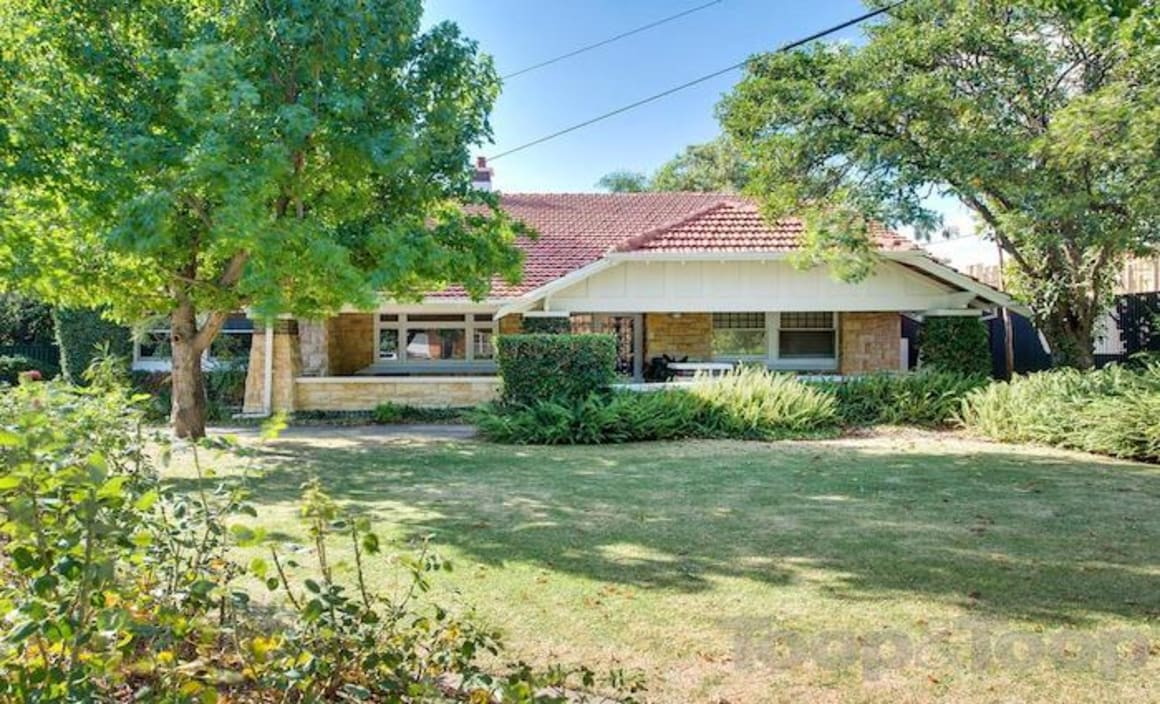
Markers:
(483, 173)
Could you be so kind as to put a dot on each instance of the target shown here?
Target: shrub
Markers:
(955, 344)
(551, 325)
(928, 397)
(755, 403)
(1110, 411)
(541, 367)
(747, 404)
(225, 390)
(388, 413)
(12, 367)
(82, 334)
(117, 587)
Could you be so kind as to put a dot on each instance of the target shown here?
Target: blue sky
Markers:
(519, 33)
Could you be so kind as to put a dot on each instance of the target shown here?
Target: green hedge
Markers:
(81, 334)
(957, 344)
(540, 367)
(1112, 411)
(554, 325)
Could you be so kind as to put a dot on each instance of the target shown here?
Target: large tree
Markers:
(191, 157)
(1043, 117)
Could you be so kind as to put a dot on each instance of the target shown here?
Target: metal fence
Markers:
(45, 354)
(1131, 327)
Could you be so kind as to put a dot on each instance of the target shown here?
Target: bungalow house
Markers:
(691, 275)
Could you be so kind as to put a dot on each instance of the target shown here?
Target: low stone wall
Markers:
(335, 393)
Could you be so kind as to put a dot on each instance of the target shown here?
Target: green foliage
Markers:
(928, 398)
(12, 367)
(555, 325)
(392, 413)
(755, 403)
(749, 404)
(624, 182)
(956, 344)
(24, 321)
(546, 367)
(225, 389)
(83, 334)
(189, 158)
(1112, 411)
(115, 586)
(1043, 123)
(714, 167)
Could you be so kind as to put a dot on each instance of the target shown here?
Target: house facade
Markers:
(696, 276)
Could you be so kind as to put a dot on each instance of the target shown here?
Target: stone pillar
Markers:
(313, 340)
(511, 324)
(678, 335)
(287, 366)
(869, 342)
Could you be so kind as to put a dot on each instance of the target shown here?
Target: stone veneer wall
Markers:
(286, 367)
(364, 393)
(351, 342)
(689, 334)
(511, 324)
(869, 342)
(314, 343)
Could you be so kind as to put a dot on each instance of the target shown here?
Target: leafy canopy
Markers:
(712, 167)
(1042, 117)
(291, 156)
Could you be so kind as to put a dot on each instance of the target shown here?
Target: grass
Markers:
(701, 562)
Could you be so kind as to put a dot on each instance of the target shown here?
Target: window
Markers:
(230, 347)
(740, 336)
(806, 336)
(435, 337)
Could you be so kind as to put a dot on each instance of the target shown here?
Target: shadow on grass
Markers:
(1041, 537)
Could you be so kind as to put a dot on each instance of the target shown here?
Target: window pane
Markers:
(752, 321)
(435, 343)
(231, 346)
(807, 321)
(483, 318)
(154, 345)
(793, 344)
(483, 348)
(739, 343)
(389, 344)
(389, 318)
(434, 318)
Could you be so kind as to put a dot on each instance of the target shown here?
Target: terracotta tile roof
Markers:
(577, 229)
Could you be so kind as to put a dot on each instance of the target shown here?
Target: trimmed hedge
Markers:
(539, 367)
(552, 325)
(81, 334)
(957, 344)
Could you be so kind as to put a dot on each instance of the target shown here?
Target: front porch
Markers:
(443, 357)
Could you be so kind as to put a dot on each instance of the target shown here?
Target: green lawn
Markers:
(714, 565)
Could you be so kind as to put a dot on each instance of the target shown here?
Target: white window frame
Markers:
(467, 323)
(164, 364)
(772, 358)
(800, 363)
(745, 357)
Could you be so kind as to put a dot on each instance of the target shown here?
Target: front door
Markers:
(628, 331)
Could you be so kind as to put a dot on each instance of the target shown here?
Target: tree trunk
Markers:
(1070, 334)
(189, 400)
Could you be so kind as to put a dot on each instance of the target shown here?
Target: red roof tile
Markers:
(577, 229)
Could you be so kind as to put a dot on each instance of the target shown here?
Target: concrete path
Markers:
(408, 431)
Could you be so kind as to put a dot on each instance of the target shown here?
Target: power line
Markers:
(644, 101)
(610, 40)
